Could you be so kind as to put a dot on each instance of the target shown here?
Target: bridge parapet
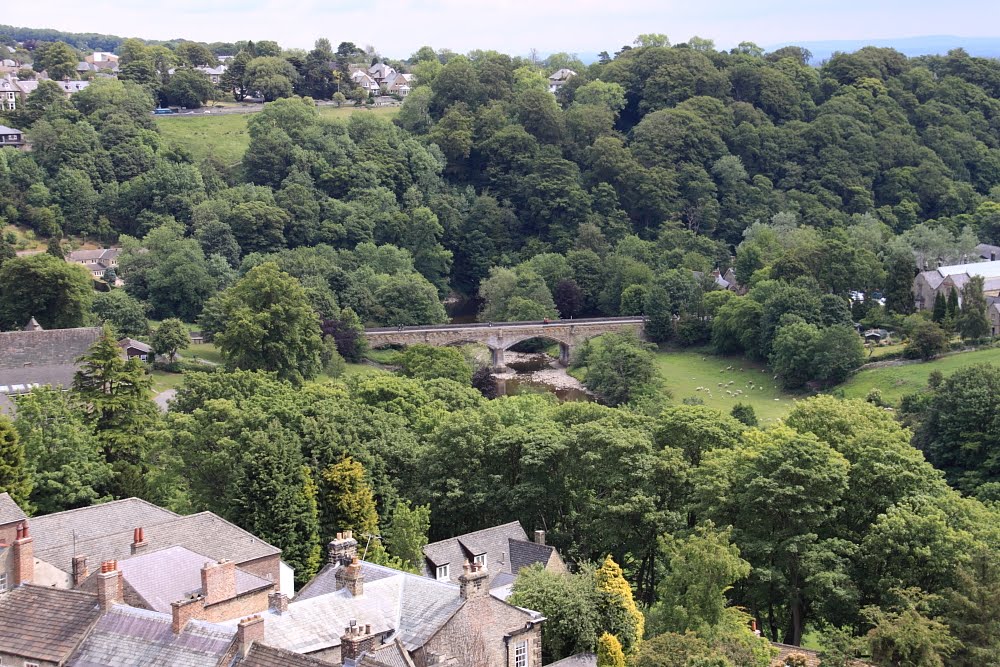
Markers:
(502, 336)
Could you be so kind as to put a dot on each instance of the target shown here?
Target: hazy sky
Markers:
(398, 27)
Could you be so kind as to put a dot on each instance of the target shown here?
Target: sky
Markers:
(398, 27)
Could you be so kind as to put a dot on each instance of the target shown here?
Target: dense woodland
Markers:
(814, 183)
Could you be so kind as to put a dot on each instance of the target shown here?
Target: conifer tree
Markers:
(620, 615)
(15, 478)
(273, 496)
(609, 652)
(952, 311)
(348, 502)
(972, 322)
(940, 308)
(115, 393)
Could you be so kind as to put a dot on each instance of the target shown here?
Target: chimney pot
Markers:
(109, 585)
(540, 537)
(23, 556)
(249, 630)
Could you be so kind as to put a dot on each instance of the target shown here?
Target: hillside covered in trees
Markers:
(616, 196)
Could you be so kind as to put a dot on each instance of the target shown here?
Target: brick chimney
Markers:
(357, 641)
(218, 581)
(80, 570)
(249, 630)
(109, 585)
(183, 611)
(343, 549)
(277, 602)
(138, 541)
(354, 579)
(474, 581)
(540, 537)
(23, 555)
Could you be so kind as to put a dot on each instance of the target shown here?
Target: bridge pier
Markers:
(564, 355)
(497, 359)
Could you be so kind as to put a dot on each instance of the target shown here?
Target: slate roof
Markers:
(104, 532)
(93, 255)
(261, 655)
(174, 574)
(578, 660)
(9, 510)
(507, 550)
(130, 637)
(126, 343)
(9, 130)
(42, 357)
(413, 606)
(390, 655)
(44, 623)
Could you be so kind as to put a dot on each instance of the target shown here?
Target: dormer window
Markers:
(442, 573)
(480, 560)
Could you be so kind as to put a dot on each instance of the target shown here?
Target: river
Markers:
(526, 372)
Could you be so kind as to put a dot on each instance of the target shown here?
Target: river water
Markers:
(539, 373)
(527, 372)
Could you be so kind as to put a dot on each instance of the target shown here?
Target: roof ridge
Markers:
(111, 502)
(71, 591)
(476, 532)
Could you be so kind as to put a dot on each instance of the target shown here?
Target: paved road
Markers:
(163, 399)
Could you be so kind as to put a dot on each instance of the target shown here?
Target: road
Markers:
(509, 325)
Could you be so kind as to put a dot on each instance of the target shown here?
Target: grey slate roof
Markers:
(390, 655)
(507, 550)
(44, 623)
(261, 655)
(9, 510)
(174, 574)
(578, 660)
(42, 357)
(130, 637)
(525, 554)
(104, 532)
(413, 606)
(54, 534)
(325, 580)
(126, 343)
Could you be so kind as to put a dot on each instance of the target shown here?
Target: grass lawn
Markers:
(684, 371)
(896, 381)
(225, 135)
(163, 380)
(881, 351)
(206, 351)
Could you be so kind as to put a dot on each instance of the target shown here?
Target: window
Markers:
(480, 560)
(31, 664)
(521, 654)
(3, 581)
(442, 572)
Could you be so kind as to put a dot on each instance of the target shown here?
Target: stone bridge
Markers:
(501, 336)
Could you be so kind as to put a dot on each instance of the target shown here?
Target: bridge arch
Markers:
(501, 336)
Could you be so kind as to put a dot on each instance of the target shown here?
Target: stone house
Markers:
(502, 551)
(928, 284)
(16, 554)
(96, 261)
(67, 544)
(560, 78)
(353, 608)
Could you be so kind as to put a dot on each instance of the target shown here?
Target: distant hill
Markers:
(987, 47)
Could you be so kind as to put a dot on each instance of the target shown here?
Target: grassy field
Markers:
(715, 380)
(205, 351)
(896, 381)
(225, 135)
